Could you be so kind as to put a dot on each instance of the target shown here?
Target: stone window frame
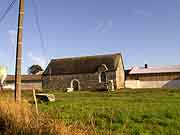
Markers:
(100, 77)
(102, 69)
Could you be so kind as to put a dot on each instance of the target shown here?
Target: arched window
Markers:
(102, 77)
(102, 69)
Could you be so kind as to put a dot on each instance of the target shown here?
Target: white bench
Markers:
(70, 89)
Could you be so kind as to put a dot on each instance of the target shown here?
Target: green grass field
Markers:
(127, 112)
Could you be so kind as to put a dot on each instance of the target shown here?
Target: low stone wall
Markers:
(30, 86)
(152, 84)
(132, 84)
(25, 85)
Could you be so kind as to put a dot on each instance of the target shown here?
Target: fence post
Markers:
(35, 100)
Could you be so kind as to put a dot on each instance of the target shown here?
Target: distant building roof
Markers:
(155, 69)
(86, 64)
(25, 78)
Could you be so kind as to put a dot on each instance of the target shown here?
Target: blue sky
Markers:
(144, 31)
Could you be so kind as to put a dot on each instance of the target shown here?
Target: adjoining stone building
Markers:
(153, 77)
(85, 73)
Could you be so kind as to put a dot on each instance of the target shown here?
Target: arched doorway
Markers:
(75, 84)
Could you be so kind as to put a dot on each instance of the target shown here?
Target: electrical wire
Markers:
(37, 21)
(3, 14)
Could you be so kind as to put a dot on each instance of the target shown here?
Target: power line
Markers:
(3, 14)
(39, 29)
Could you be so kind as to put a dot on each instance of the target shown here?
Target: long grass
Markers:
(21, 119)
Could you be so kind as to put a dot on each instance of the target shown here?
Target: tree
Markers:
(34, 69)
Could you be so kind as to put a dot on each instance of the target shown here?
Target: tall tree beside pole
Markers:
(19, 52)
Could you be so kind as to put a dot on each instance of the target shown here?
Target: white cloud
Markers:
(104, 26)
(37, 59)
(12, 37)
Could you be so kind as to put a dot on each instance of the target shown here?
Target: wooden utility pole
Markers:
(19, 52)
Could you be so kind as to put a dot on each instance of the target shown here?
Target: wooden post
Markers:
(35, 100)
(19, 52)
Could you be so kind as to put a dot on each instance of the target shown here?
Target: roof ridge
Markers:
(84, 64)
(88, 56)
(158, 66)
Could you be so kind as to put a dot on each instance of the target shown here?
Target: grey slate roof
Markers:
(86, 64)
(155, 69)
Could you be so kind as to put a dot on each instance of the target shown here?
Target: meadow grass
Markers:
(124, 112)
(131, 112)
